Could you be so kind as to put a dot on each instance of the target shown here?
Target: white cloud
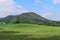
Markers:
(37, 2)
(45, 14)
(8, 7)
(56, 1)
(51, 16)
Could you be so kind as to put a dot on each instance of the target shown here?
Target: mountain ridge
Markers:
(28, 17)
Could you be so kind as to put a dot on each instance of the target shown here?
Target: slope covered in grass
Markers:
(29, 32)
(32, 29)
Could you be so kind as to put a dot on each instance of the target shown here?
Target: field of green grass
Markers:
(29, 32)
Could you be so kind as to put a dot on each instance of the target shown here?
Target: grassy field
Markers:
(29, 32)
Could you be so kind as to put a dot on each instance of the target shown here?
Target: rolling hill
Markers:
(29, 17)
(29, 32)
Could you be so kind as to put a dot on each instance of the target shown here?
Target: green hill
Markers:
(28, 17)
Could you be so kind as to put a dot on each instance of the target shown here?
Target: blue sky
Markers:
(49, 9)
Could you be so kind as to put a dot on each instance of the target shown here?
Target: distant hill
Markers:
(7, 19)
(29, 17)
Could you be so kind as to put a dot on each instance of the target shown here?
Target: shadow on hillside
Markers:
(7, 35)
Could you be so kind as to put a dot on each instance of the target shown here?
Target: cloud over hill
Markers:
(8, 7)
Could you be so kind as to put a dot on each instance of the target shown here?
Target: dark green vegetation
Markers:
(29, 17)
(29, 32)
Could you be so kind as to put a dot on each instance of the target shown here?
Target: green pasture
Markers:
(29, 32)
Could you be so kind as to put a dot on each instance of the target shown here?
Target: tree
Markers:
(17, 21)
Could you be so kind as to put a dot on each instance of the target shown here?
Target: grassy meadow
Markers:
(29, 32)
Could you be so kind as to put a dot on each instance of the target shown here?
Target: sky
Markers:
(49, 9)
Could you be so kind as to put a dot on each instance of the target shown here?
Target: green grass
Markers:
(29, 32)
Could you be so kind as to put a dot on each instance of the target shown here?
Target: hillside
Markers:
(28, 17)
(29, 32)
(7, 19)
